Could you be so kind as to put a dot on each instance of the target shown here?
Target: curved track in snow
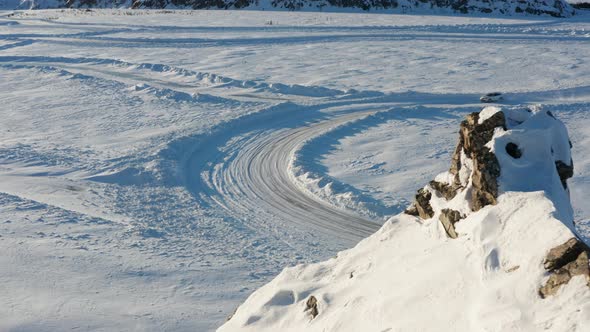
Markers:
(251, 179)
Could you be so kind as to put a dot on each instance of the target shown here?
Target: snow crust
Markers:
(409, 276)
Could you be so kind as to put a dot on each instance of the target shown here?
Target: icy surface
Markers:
(149, 163)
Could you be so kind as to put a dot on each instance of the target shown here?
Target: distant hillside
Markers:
(556, 8)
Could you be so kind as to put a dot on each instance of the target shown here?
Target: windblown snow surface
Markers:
(158, 167)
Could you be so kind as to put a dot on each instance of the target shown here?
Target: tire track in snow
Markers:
(252, 181)
(183, 78)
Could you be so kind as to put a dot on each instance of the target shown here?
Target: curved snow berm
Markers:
(492, 250)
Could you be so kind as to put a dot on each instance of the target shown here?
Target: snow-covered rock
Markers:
(556, 8)
(511, 263)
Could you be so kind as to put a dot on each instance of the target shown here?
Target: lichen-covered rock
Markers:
(448, 218)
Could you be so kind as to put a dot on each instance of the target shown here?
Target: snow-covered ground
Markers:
(156, 168)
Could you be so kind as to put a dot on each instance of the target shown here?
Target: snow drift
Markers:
(489, 245)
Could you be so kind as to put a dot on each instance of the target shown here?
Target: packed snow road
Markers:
(156, 167)
(252, 178)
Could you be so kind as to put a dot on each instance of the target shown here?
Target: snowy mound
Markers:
(556, 8)
(491, 248)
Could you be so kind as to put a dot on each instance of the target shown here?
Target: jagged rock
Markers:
(564, 274)
(486, 168)
(447, 191)
(563, 254)
(412, 210)
(456, 163)
(473, 137)
(312, 306)
(448, 218)
(421, 206)
(565, 171)
(565, 262)
(472, 140)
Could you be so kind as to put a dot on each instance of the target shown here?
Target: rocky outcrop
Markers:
(486, 169)
(446, 190)
(563, 263)
(555, 8)
(481, 175)
(421, 207)
(581, 5)
(563, 254)
(475, 171)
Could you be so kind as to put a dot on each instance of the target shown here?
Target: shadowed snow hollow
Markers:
(491, 247)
